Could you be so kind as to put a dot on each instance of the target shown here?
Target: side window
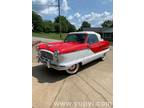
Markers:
(71, 38)
(92, 38)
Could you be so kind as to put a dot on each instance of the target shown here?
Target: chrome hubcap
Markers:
(73, 69)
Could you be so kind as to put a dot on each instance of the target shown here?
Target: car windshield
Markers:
(75, 38)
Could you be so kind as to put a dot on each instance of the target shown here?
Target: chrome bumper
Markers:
(50, 64)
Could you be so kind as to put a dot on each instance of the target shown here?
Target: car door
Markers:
(94, 43)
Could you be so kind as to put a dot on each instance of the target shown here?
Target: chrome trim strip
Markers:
(46, 51)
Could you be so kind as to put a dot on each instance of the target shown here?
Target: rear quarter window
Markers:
(92, 38)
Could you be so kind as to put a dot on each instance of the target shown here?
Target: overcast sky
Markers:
(76, 11)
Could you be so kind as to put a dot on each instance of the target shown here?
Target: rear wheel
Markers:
(73, 69)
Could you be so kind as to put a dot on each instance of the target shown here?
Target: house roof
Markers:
(99, 29)
(108, 30)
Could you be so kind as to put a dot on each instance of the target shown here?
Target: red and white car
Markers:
(78, 48)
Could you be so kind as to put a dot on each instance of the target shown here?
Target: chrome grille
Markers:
(44, 54)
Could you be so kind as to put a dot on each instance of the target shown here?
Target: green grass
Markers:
(50, 35)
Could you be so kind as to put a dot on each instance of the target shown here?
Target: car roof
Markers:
(84, 32)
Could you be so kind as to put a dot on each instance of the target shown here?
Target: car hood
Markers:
(63, 47)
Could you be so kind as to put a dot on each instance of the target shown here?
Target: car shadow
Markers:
(45, 75)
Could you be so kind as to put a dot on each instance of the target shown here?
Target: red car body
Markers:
(69, 53)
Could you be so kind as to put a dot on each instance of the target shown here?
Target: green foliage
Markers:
(107, 24)
(71, 28)
(56, 26)
(79, 29)
(85, 24)
(37, 22)
(64, 24)
(48, 27)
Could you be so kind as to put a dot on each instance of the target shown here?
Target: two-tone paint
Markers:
(71, 53)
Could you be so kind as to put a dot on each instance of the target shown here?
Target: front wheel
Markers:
(103, 57)
(73, 69)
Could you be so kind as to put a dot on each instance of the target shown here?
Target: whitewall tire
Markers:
(73, 69)
(103, 57)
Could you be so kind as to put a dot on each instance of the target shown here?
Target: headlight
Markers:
(56, 53)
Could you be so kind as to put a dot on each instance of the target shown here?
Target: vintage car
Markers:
(78, 48)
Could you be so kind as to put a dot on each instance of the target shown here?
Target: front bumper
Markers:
(51, 64)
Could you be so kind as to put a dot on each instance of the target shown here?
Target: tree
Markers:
(37, 22)
(107, 24)
(48, 26)
(71, 28)
(66, 26)
(79, 29)
(85, 24)
(56, 27)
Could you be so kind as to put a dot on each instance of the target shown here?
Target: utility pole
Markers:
(59, 17)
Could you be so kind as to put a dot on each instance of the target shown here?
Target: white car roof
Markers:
(81, 32)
